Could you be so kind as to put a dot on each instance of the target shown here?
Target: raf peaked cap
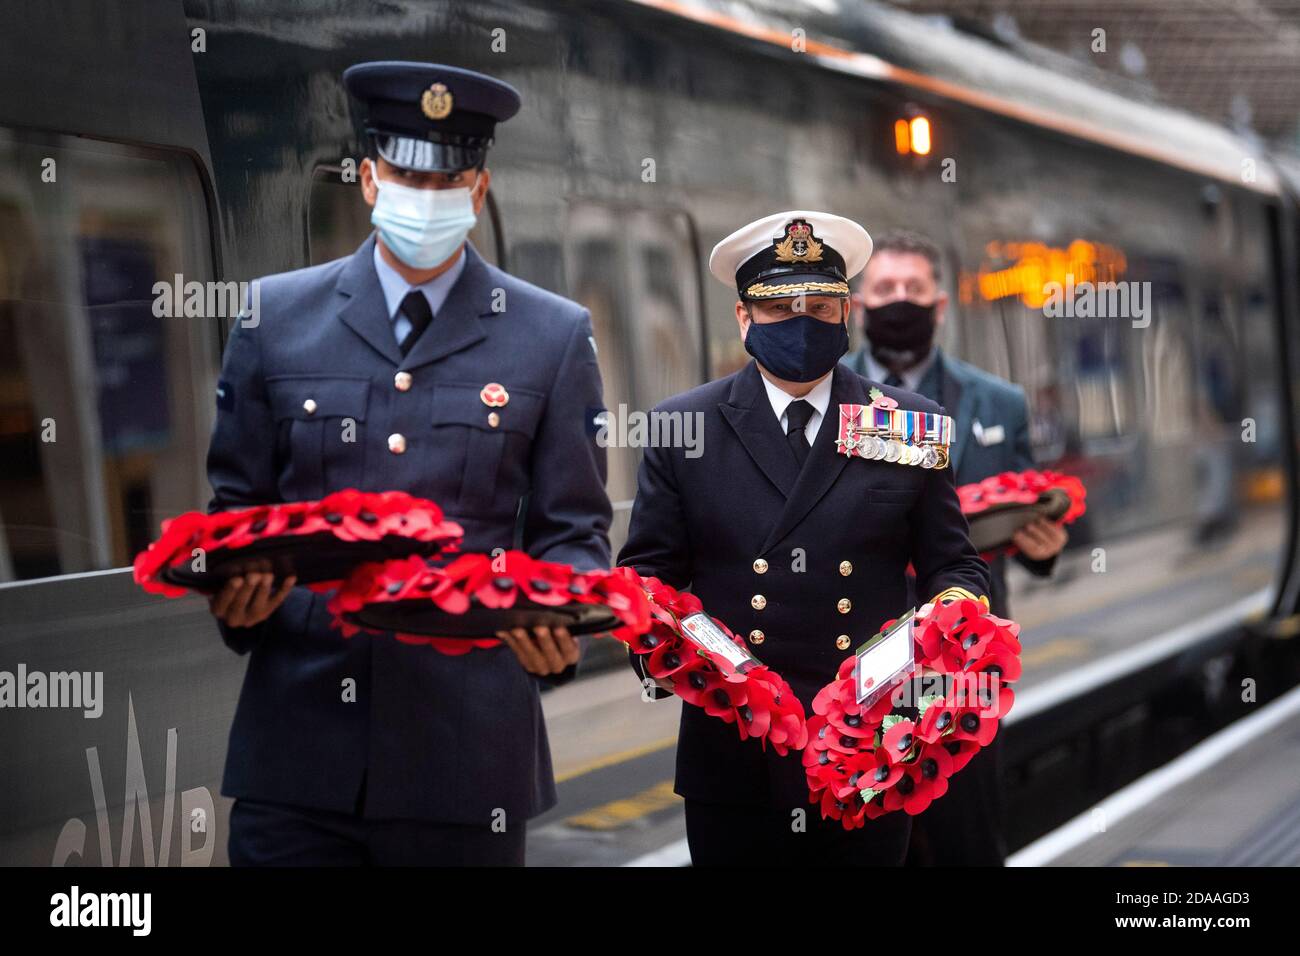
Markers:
(430, 117)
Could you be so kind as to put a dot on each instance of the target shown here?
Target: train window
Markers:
(635, 270)
(104, 410)
(664, 289)
(594, 276)
(338, 219)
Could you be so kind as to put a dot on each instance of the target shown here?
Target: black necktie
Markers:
(797, 415)
(893, 380)
(416, 308)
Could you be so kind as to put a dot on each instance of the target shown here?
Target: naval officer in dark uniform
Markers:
(799, 548)
(370, 372)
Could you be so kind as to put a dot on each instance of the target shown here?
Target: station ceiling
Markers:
(1236, 62)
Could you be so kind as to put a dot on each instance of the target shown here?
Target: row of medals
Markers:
(891, 449)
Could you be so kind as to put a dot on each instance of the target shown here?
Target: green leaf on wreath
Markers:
(868, 794)
(889, 721)
(875, 393)
(925, 702)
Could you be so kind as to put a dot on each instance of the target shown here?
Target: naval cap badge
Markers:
(798, 244)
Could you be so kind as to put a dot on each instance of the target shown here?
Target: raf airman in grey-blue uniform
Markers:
(370, 372)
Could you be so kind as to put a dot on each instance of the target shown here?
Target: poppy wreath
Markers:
(331, 536)
(1021, 488)
(863, 762)
(477, 583)
(754, 698)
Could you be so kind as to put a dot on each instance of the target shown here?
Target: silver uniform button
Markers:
(402, 381)
(309, 406)
(397, 443)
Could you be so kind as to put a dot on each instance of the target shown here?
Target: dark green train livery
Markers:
(149, 145)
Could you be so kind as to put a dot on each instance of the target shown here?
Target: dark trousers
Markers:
(964, 826)
(277, 834)
(733, 835)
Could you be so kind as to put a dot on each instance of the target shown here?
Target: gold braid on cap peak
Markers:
(761, 290)
(958, 593)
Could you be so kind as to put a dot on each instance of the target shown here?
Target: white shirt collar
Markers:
(819, 398)
(396, 288)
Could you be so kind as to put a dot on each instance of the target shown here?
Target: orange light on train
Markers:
(902, 137)
(920, 130)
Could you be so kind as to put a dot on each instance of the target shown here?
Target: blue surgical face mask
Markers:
(801, 348)
(423, 227)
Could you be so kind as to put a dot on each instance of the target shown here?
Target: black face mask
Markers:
(801, 348)
(901, 333)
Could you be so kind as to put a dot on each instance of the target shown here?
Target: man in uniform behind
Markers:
(373, 372)
(790, 543)
(902, 305)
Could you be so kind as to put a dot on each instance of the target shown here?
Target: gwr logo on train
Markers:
(197, 812)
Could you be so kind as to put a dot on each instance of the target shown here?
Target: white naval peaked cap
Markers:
(792, 253)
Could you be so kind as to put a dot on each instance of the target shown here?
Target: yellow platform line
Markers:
(1053, 650)
(621, 756)
(619, 813)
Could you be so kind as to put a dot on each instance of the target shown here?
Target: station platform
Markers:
(1232, 800)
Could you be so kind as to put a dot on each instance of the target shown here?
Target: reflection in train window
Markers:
(635, 270)
(1168, 371)
(594, 274)
(338, 219)
(663, 288)
(1102, 381)
(105, 408)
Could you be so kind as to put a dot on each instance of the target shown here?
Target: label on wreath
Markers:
(884, 660)
(700, 629)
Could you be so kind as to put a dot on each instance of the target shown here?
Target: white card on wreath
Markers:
(884, 660)
(700, 629)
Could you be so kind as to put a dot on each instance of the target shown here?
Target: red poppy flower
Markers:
(924, 780)
(693, 683)
(974, 723)
(723, 701)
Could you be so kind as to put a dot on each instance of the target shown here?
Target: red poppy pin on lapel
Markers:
(494, 395)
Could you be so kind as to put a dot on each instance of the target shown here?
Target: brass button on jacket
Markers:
(842, 642)
(760, 566)
(402, 381)
(846, 568)
(844, 605)
(309, 406)
(397, 443)
(756, 636)
(758, 602)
